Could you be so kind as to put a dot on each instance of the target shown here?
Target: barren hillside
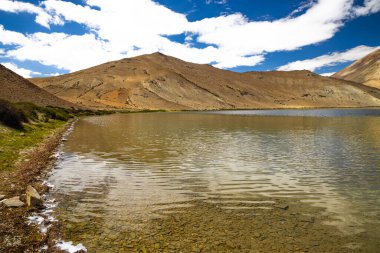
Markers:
(365, 70)
(15, 88)
(158, 81)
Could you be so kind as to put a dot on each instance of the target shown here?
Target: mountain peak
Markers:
(365, 70)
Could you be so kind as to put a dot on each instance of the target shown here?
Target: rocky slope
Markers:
(158, 81)
(365, 70)
(15, 88)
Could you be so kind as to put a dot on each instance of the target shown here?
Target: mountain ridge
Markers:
(365, 70)
(158, 81)
(15, 88)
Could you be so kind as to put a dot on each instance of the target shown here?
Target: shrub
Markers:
(11, 116)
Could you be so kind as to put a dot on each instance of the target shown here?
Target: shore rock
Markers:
(33, 198)
(2, 197)
(12, 202)
(23, 197)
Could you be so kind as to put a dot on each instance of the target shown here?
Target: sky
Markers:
(53, 37)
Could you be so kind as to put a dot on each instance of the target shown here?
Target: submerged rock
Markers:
(283, 207)
(12, 202)
(33, 198)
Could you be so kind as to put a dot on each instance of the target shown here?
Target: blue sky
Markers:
(42, 38)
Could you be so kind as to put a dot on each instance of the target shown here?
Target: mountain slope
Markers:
(158, 81)
(15, 88)
(365, 70)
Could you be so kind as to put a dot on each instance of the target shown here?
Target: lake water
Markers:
(229, 181)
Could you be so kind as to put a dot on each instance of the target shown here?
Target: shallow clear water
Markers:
(123, 170)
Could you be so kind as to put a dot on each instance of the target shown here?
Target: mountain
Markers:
(157, 81)
(365, 70)
(15, 88)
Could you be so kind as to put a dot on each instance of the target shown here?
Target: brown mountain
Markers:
(365, 70)
(158, 81)
(15, 88)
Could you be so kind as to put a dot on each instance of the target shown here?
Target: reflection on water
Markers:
(130, 168)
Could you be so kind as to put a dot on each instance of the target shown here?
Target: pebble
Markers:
(13, 202)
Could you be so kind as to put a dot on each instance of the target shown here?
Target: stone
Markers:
(12, 202)
(23, 197)
(283, 207)
(2, 197)
(33, 198)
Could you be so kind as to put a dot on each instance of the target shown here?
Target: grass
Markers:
(13, 141)
(24, 125)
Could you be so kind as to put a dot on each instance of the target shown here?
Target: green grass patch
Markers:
(24, 125)
(13, 141)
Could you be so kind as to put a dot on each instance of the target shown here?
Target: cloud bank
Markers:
(115, 29)
(329, 59)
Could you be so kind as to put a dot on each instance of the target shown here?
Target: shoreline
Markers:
(16, 233)
(122, 111)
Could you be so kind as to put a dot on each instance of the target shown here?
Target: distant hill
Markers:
(15, 88)
(365, 70)
(157, 81)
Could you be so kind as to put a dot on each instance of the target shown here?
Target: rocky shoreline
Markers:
(16, 233)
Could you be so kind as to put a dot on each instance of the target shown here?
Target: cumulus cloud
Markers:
(236, 33)
(368, 7)
(329, 59)
(116, 29)
(21, 71)
(70, 52)
(42, 17)
(11, 37)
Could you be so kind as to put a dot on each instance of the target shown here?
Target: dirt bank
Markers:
(31, 169)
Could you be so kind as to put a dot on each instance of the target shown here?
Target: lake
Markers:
(223, 181)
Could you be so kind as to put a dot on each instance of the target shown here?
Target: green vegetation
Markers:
(11, 116)
(24, 125)
(13, 141)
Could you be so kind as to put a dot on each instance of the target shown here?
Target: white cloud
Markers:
(304, 5)
(42, 17)
(327, 74)
(369, 7)
(21, 71)
(12, 38)
(70, 52)
(117, 29)
(329, 59)
(235, 33)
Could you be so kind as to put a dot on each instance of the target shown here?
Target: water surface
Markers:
(121, 173)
